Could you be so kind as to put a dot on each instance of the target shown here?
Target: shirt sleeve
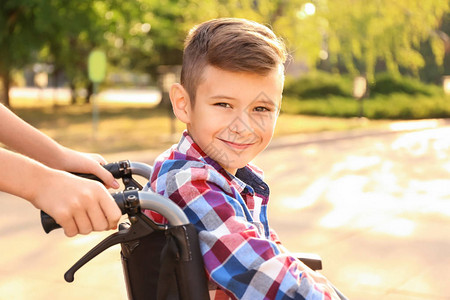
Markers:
(274, 236)
(236, 256)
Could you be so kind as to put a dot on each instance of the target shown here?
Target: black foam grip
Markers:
(48, 223)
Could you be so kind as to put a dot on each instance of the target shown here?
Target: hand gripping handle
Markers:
(123, 169)
(49, 224)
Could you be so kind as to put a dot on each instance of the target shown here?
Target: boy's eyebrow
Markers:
(257, 101)
(265, 102)
(222, 97)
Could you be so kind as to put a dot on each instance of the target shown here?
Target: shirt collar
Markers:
(254, 180)
(247, 179)
(188, 147)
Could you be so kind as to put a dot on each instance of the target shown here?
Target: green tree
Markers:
(434, 68)
(154, 33)
(75, 30)
(81, 26)
(352, 35)
(147, 32)
(21, 28)
(58, 32)
(362, 34)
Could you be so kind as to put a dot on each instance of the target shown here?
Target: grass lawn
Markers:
(137, 127)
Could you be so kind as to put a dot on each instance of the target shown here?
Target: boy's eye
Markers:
(223, 104)
(261, 109)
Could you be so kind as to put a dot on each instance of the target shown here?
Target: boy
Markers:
(229, 98)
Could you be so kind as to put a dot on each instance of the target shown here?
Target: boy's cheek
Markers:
(265, 123)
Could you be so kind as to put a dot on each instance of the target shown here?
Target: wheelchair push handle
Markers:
(121, 169)
(130, 203)
(49, 224)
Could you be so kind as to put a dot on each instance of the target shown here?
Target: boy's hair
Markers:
(231, 44)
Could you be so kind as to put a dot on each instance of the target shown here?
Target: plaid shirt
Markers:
(240, 251)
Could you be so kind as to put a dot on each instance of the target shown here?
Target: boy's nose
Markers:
(241, 124)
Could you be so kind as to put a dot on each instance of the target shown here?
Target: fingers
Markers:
(70, 228)
(92, 219)
(107, 178)
(102, 173)
(89, 163)
(84, 223)
(97, 158)
(111, 211)
(100, 213)
(86, 206)
(106, 212)
(98, 220)
(79, 205)
(96, 163)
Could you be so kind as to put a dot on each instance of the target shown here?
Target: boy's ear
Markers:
(180, 102)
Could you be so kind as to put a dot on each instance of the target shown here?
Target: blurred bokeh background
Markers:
(349, 58)
(346, 37)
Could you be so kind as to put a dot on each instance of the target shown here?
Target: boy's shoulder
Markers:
(173, 161)
(182, 157)
(172, 173)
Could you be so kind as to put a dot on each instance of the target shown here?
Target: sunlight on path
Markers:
(385, 190)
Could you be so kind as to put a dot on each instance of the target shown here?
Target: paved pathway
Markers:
(376, 207)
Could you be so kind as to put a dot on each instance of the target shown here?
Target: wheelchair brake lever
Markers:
(141, 226)
(131, 184)
(122, 169)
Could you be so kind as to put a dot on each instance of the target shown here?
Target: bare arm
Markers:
(24, 138)
(78, 205)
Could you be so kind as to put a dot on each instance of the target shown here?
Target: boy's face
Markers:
(234, 114)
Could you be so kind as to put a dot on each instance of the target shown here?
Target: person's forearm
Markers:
(79, 205)
(20, 175)
(22, 137)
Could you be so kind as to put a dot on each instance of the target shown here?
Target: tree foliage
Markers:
(361, 35)
(351, 36)
(21, 27)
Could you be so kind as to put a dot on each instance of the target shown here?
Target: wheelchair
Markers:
(161, 262)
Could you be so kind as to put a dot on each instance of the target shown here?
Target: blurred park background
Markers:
(401, 50)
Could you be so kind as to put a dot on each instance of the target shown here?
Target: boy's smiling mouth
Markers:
(237, 146)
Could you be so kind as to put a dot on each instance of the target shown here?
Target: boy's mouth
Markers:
(238, 146)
